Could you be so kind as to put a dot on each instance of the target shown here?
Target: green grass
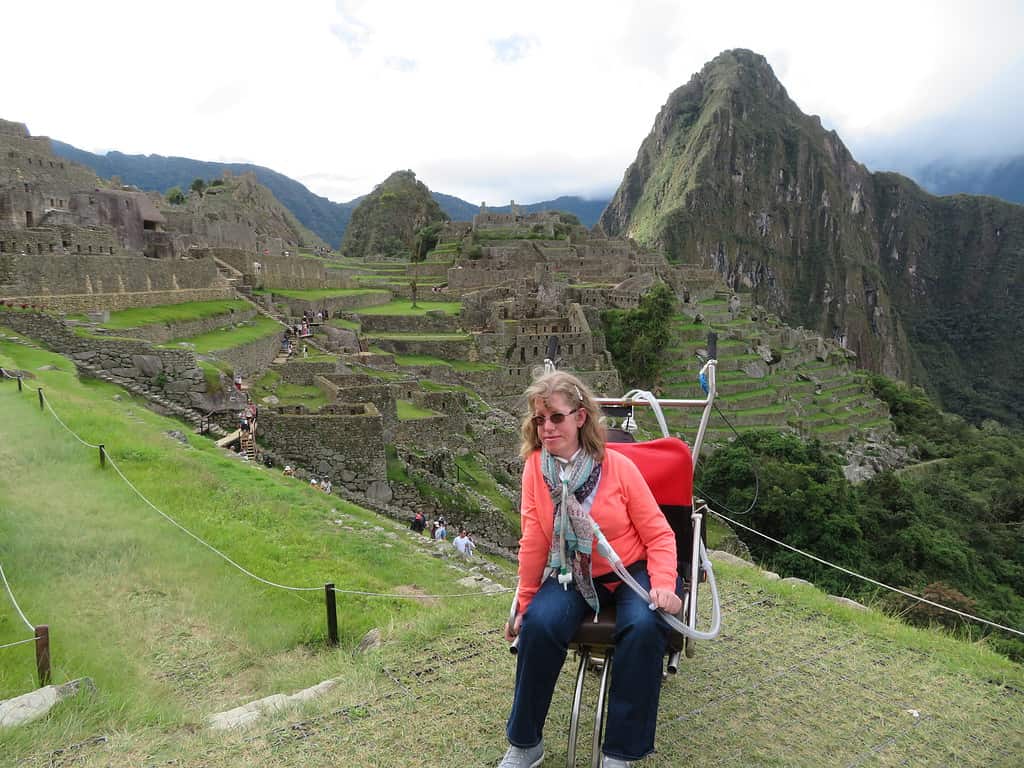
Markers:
(404, 307)
(458, 365)
(407, 411)
(167, 630)
(315, 294)
(271, 383)
(170, 633)
(228, 338)
(474, 475)
(171, 313)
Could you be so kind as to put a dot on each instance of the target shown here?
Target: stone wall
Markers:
(170, 373)
(333, 304)
(474, 275)
(432, 322)
(429, 433)
(345, 447)
(95, 302)
(297, 371)
(62, 241)
(357, 388)
(253, 358)
(446, 350)
(286, 272)
(52, 274)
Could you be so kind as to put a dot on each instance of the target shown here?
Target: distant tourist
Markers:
(418, 523)
(463, 543)
(441, 533)
(288, 471)
(326, 486)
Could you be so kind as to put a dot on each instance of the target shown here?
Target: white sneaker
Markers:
(518, 757)
(614, 762)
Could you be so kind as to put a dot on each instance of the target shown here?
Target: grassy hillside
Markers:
(171, 633)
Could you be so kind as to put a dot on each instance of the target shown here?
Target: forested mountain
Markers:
(734, 176)
(325, 217)
(386, 221)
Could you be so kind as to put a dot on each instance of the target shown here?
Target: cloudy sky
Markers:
(493, 101)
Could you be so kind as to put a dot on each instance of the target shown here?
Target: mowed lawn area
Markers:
(229, 337)
(405, 307)
(168, 631)
(172, 313)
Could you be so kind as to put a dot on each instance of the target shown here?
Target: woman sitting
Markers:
(568, 478)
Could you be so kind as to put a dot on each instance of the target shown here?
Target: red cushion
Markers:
(666, 465)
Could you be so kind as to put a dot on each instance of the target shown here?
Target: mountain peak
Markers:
(386, 221)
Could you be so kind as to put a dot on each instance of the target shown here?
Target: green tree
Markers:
(638, 337)
(425, 241)
(198, 186)
(175, 196)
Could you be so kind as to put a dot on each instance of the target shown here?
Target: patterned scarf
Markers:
(570, 484)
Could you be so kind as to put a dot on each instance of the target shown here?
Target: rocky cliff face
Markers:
(734, 176)
(386, 221)
(238, 212)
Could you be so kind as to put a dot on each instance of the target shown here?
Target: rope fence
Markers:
(18, 642)
(41, 635)
(862, 577)
(330, 589)
(10, 594)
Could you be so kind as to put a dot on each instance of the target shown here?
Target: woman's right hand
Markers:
(512, 632)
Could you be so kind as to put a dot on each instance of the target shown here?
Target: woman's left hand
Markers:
(667, 600)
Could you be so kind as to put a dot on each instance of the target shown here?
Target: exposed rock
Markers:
(249, 713)
(175, 434)
(847, 602)
(719, 556)
(795, 580)
(370, 641)
(148, 365)
(29, 706)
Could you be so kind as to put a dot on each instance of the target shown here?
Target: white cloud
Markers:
(486, 100)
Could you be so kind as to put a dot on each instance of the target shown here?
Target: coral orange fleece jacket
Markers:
(625, 510)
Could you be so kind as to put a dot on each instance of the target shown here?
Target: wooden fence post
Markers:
(103, 456)
(40, 398)
(332, 614)
(43, 654)
(19, 384)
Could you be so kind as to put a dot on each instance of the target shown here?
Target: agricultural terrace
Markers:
(229, 337)
(167, 314)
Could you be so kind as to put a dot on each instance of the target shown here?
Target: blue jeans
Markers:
(640, 643)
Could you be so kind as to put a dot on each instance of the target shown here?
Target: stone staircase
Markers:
(232, 277)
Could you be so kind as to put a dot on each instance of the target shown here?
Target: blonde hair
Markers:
(578, 395)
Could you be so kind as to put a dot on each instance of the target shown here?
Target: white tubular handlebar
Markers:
(668, 618)
(644, 396)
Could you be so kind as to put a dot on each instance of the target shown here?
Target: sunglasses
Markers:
(556, 418)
